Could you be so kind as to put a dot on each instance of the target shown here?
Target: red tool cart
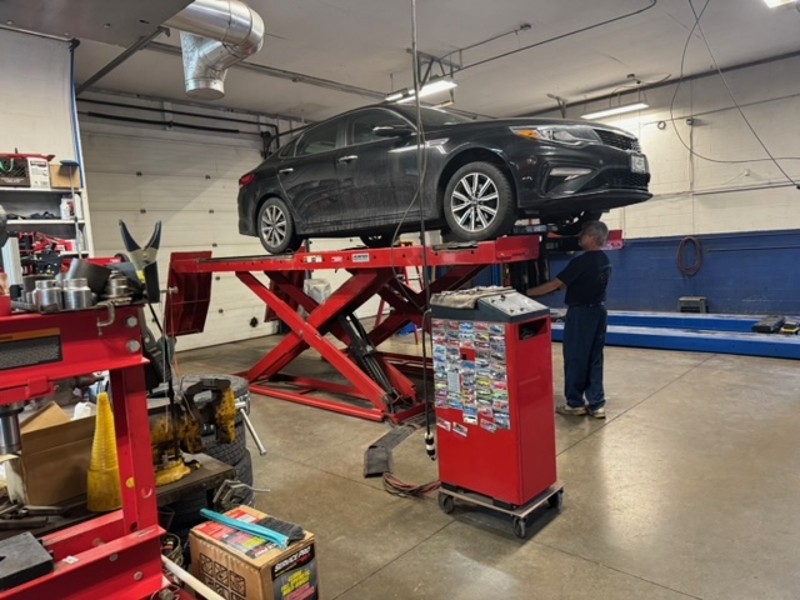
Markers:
(117, 555)
(494, 402)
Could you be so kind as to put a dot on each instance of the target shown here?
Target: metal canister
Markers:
(77, 294)
(117, 286)
(47, 294)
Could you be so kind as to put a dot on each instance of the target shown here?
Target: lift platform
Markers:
(377, 383)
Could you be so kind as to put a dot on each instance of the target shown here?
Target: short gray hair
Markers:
(597, 229)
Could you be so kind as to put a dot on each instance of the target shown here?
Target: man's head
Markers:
(593, 235)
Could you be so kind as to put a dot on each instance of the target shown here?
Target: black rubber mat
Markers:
(378, 457)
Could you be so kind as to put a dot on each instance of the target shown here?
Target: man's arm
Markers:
(546, 288)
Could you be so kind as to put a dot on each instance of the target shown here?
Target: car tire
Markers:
(377, 240)
(275, 227)
(479, 203)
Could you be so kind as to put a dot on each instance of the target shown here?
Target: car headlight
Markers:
(572, 135)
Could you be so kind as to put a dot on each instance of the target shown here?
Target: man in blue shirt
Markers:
(586, 279)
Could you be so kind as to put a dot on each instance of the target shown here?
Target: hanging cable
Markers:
(430, 446)
(680, 258)
(562, 36)
(773, 159)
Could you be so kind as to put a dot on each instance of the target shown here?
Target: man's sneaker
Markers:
(600, 413)
(565, 409)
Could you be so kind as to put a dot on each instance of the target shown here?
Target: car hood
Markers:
(496, 124)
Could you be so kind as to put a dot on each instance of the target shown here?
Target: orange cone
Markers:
(103, 492)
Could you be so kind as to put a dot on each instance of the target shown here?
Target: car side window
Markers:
(288, 150)
(361, 125)
(319, 139)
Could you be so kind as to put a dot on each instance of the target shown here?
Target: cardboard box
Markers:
(240, 566)
(62, 177)
(52, 466)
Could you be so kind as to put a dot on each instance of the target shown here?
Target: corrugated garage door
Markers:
(190, 183)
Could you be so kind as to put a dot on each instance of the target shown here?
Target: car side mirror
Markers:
(392, 130)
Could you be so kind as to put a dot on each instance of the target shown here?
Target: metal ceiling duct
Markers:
(215, 35)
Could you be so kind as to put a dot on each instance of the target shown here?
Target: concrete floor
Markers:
(689, 490)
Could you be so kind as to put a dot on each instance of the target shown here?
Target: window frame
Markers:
(337, 123)
(348, 129)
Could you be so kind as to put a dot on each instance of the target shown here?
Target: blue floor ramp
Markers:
(721, 334)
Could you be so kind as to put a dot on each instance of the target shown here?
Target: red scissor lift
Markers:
(388, 394)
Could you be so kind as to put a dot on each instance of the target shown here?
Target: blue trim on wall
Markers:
(742, 273)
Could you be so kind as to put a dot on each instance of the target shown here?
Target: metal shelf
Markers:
(27, 190)
(45, 222)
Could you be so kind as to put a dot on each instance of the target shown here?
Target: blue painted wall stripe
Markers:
(754, 273)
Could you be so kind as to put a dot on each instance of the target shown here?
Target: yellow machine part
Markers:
(176, 471)
(163, 445)
(226, 418)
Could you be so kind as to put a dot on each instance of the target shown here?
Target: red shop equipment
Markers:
(493, 393)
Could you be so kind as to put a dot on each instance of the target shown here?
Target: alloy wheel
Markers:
(475, 202)
(273, 226)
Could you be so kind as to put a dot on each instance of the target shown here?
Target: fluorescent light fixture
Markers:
(394, 96)
(617, 110)
(436, 86)
(776, 3)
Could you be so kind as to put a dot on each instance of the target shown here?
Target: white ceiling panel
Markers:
(364, 43)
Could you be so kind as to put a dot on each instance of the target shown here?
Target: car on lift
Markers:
(357, 174)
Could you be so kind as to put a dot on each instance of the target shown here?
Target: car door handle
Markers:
(348, 158)
(286, 171)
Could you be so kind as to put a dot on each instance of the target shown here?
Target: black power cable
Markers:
(430, 446)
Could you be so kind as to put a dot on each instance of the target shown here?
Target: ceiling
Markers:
(364, 43)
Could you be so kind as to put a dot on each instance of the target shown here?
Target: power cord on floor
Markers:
(399, 488)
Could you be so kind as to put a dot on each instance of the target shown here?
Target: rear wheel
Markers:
(479, 202)
(275, 227)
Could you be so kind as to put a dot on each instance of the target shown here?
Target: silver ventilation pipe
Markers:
(215, 35)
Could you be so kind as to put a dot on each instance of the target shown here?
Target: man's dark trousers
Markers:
(584, 339)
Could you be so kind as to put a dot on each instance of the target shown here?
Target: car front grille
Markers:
(623, 142)
(631, 181)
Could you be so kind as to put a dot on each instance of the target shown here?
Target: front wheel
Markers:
(275, 227)
(479, 202)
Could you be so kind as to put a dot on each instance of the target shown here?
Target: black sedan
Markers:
(357, 174)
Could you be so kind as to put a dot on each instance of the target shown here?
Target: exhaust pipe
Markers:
(215, 35)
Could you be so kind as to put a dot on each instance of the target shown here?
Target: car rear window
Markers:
(319, 139)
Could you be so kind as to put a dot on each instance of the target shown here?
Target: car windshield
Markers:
(431, 117)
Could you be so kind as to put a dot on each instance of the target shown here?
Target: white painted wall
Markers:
(697, 196)
(35, 95)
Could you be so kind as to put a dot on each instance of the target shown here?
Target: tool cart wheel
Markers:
(556, 500)
(446, 503)
(519, 526)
